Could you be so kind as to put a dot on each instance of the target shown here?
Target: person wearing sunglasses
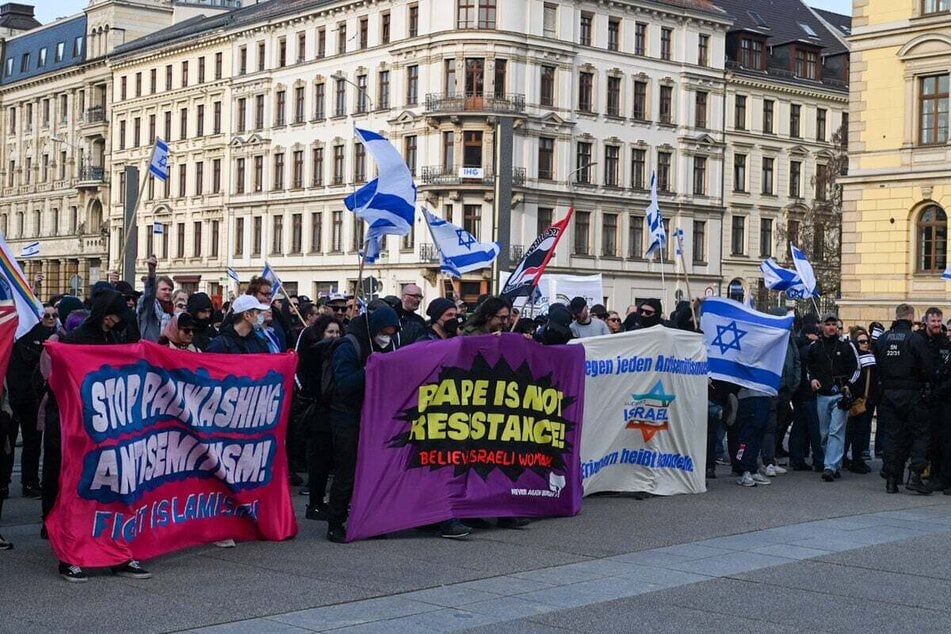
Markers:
(648, 314)
(858, 429)
(613, 321)
(179, 333)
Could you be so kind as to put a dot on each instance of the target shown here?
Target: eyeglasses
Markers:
(503, 317)
(187, 331)
(647, 313)
(865, 341)
(416, 296)
(49, 315)
(338, 309)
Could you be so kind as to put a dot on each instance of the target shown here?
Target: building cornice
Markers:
(776, 85)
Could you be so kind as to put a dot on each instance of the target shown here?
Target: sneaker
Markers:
(225, 543)
(837, 474)
(746, 480)
(73, 573)
(722, 460)
(131, 570)
(773, 470)
(304, 490)
(512, 522)
(477, 522)
(337, 534)
(780, 469)
(453, 529)
(828, 475)
(4, 544)
(759, 478)
(32, 491)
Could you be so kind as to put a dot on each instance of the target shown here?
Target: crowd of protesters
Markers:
(832, 384)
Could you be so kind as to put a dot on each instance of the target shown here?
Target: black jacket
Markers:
(229, 341)
(204, 331)
(90, 332)
(903, 359)
(412, 327)
(833, 363)
(25, 361)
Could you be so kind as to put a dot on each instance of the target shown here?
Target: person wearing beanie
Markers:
(583, 325)
(557, 329)
(201, 310)
(648, 314)
(443, 319)
(67, 305)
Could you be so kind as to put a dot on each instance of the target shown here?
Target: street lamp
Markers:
(575, 171)
(361, 90)
(76, 149)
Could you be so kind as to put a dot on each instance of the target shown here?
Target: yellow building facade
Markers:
(897, 196)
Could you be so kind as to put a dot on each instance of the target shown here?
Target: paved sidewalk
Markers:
(800, 554)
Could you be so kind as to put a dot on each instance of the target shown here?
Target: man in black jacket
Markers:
(905, 370)
(201, 308)
(412, 326)
(833, 366)
(939, 408)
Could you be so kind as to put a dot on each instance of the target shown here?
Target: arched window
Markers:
(735, 290)
(932, 240)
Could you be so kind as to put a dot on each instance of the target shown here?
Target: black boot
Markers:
(916, 484)
(891, 484)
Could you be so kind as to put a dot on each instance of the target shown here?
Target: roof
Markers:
(18, 17)
(230, 21)
(841, 22)
(38, 52)
(782, 22)
(697, 5)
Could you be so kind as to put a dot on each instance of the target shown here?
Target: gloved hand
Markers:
(845, 402)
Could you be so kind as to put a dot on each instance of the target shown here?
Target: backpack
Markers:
(328, 383)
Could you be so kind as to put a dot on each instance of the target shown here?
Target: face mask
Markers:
(382, 340)
(260, 323)
(451, 326)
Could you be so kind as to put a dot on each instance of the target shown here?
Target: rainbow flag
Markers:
(29, 309)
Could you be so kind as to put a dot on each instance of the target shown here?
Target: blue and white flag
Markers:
(744, 346)
(804, 269)
(372, 248)
(158, 228)
(276, 284)
(234, 275)
(388, 202)
(30, 250)
(459, 251)
(777, 278)
(679, 241)
(947, 273)
(655, 223)
(158, 164)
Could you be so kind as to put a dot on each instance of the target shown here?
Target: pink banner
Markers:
(164, 449)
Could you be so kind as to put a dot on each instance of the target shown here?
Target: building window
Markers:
(844, 131)
(321, 43)
(473, 14)
(280, 107)
(807, 64)
(215, 237)
(338, 165)
(359, 163)
(547, 87)
(612, 165)
(336, 232)
(701, 110)
(609, 235)
(279, 170)
(242, 61)
(364, 32)
(409, 153)
(768, 106)
(699, 241)
(582, 232)
(585, 91)
(216, 176)
(362, 105)
(768, 176)
(583, 163)
(217, 118)
(412, 85)
(766, 238)
(242, 114)
(751, 54)
(168, 77)
(185, 74)
(298, 178)
(739, 112)
(319, 101)
(277, 235)
(340, 98)
(544, 219)
(196, 238)
(663, 171)
(820, 124)
(550, 23)
(258, 173)
(199, 178)
(933, 105)
(297, 230)
(666, 104)
(795, 114)
(640, 38)
(739, 172)
(666, 35)
(385, 28)
(822, 181)
(640, 100)
(239, 176)
(383, 90)
(703, 50)
(472, 219)
(738, 236)
(183, 124)
(932, 240)
(614, 34)
(638, 167)
(299, 104)
(935, 6)
(449, 151)
(546, 158)
(182, 180)
(413, 20)
(585, 32)
(341, 38)
(795, 179)
(218, 65)
(316, 231)
(180, 242)
(635, 243)
(614, 96)
(257, 235)
(317, 167)
(200, 121)
(699, 176)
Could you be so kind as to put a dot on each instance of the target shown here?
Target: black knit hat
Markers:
(438, 307)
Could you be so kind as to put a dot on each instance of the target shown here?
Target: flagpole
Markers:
(683, 264)
(125, 234)
(293, 307)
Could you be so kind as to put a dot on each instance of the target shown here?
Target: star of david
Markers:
(465, 238)
(734, 343)
(163, 162)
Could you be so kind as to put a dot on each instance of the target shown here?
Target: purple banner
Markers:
(484, 426)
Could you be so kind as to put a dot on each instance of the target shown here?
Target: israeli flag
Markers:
(804, 269)
(459, 251)
(30, 250)
(947, 273)
(158, 228)
(744, 346)
(234, 275)
(372, 248)
(679, 241)
(388, 202)
(276, 284)
(655, 222)
(158, 164)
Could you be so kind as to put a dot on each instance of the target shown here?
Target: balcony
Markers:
(516, 252)
(442, 175)
(428, 252)
(96, 114)
(91, 177)
(470, 102)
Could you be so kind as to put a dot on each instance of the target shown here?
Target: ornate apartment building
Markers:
(259, 108)
(55, 154)
(895, 244)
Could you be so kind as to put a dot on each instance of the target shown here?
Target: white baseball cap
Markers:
(247, 302)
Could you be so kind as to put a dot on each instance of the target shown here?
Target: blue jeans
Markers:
(805, 434)
(752, 419)
(832, 429)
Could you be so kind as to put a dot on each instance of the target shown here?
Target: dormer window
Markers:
(807, 64)
(751, 54)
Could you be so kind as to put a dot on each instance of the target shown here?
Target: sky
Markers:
(48, 10)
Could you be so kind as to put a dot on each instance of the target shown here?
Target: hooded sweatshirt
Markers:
(204, 331)
(105, 302)
(350, 359)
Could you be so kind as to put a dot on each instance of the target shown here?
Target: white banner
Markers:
(558, 288)
(645, 412)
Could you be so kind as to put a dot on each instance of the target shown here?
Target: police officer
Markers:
(939, 407)
(905, 370)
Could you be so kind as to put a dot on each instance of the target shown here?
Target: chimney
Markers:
(10, 9)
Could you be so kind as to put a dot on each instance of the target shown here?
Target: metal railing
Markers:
(97, 174)
(428, 252)
(96, 114)
(474, 102)
(442, 175)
